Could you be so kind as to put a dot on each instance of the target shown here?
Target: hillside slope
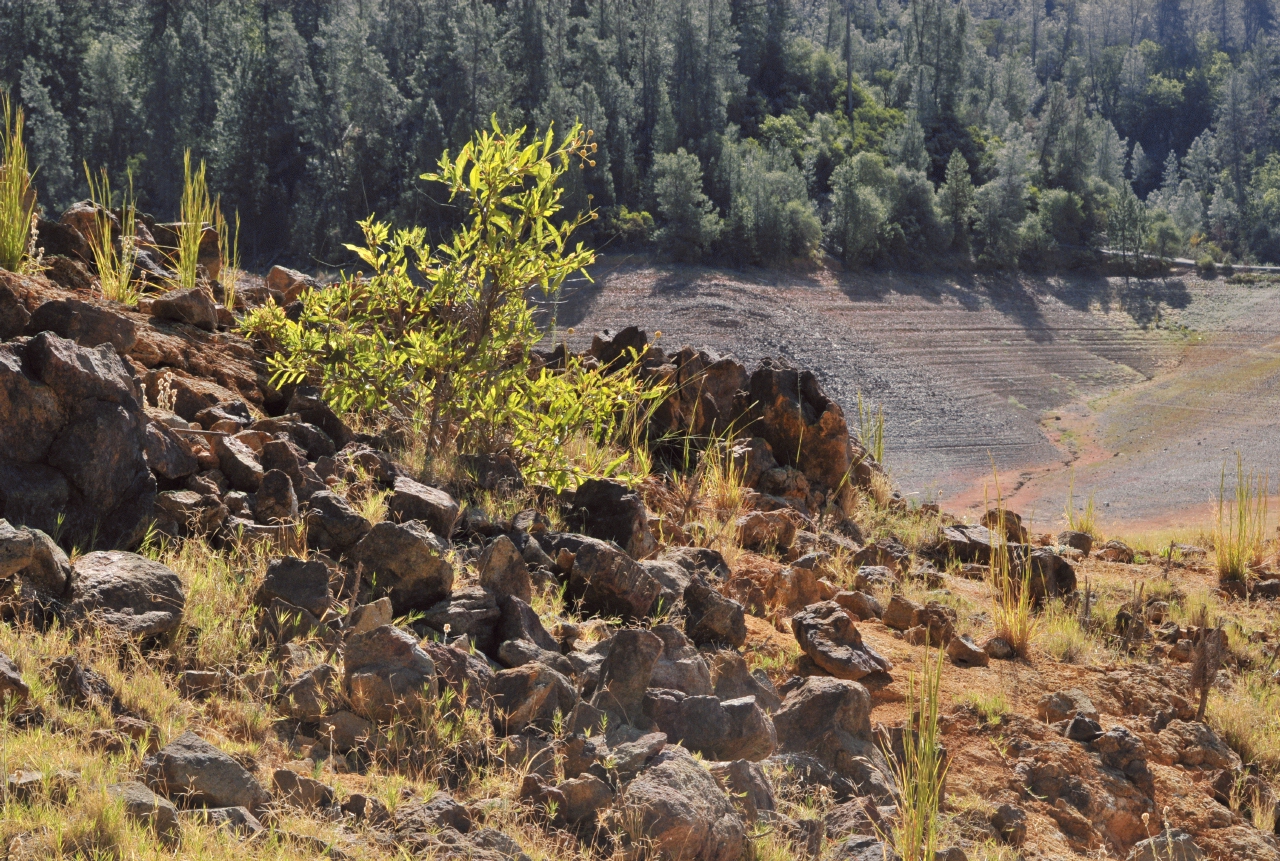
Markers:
(1033, 373)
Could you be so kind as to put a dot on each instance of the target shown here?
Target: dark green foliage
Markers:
(313, 115)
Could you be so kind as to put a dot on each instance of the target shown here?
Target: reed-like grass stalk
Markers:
(1012, 605)
(1240, 532)
(17, 196)
(229, 248)
(922, 769)
(114, 261)
(194, 212)
(871, 429)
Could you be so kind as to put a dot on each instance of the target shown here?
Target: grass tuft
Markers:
(1247, 716)
(114, 262)
(1080, 521)
(17, 196)
(1240, 532)
(990, 708)
(922, 770)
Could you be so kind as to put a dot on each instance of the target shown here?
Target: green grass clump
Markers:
(195, 211)
(1247, 716)
(1062, 636)
(990, 708)
(17, 197)
(113, 261)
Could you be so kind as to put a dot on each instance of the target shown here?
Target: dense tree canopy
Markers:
(754, 131)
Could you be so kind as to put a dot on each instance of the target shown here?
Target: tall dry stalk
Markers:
(922, 769)
(1241, 528)
(114, 261)
(17, 196)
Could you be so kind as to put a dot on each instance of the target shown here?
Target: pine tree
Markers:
(957, 201)
(690, 223)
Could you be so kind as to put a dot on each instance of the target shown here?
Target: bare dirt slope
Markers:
(1144, 386)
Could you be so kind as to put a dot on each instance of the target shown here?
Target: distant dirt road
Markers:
(1144, 388)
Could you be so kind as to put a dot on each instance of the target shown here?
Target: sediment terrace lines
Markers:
(967, 371)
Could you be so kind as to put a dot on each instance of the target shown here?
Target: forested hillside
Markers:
(743, 131)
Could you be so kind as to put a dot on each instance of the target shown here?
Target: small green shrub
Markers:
(1084, 520)
(441, 340)
(871, 429)
(628, 229)
(1207, 267)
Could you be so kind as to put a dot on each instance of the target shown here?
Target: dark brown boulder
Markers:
(829, 637)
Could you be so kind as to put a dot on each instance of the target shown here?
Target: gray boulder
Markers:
(677, 806)
(503, 570)
(611, 583)
(385, 673)
(1173, 845)
(238, 463)
(532, 695)
(12, 687)
(626, 672)
(47, 571)
(611, 511)
(87, 325)
(186, 512)
(712, 618)
(828, 635)
(313, 695)
(830, 720)
(199, 775)
(168, 455)
(282, 455)
(127, 592)
(143, 805)
(734, 729)
(275, 502)
(193, 306)
(731, 679)
(749, 786)
(471, 611)
(332, 524)
(234, 820)
(302, 583)
(519, 621)
(405, 562)
(412, 500)
(681, 666)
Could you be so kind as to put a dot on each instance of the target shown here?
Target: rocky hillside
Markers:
(236, 625)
